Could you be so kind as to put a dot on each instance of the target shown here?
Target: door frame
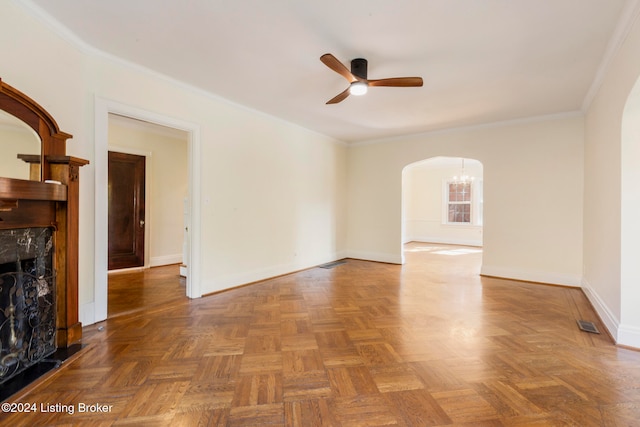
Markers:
(102, 109)
(148, 158)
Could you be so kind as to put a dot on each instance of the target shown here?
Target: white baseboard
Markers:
(126, 270)
(610, 321)
(629, 336)
(234, 280)
(531, 275)
(87, 313)
(376, 256)
(165, 260)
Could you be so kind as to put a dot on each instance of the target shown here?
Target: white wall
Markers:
(611, 198)
(424, 211)
(532, 195)
(629, 331)
(273, 194)
(166, 154)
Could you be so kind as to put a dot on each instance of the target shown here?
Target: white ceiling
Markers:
(482, 61)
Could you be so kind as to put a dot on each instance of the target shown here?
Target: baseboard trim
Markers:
(629, 336)
(606, 315)
(376, 256)
(165, 260)
(86, 313)
(232, 281)
(624, 335)
(531, 276)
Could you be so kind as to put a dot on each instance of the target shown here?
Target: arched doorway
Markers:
(442, 201)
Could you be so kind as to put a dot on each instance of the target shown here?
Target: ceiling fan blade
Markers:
(398, 82)
(332, 62)
(339, 97)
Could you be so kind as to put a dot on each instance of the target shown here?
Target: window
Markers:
(459, 202)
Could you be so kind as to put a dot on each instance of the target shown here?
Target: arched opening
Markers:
(442, 201)
(630, 224)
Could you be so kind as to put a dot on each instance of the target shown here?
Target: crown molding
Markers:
(458, 129)
(65, 33)
(628, 18)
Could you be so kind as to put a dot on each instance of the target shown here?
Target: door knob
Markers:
(142, 223)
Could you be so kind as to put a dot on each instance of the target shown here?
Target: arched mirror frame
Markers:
(53, 141)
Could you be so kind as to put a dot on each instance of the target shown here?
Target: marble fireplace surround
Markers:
(27, 303)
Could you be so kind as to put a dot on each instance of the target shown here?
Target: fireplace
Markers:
(39, 215)
(27, 303)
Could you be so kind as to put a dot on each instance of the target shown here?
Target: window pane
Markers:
(466, 192)
(452, 213)
(460, 212)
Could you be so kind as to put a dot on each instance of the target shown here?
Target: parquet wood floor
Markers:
(133, 291)
(430, 343)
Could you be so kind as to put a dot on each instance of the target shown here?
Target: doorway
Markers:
(442, 202)
(147, 184)
(126, 211)
(96, 310)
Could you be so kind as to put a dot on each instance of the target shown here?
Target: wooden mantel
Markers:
(36, 203)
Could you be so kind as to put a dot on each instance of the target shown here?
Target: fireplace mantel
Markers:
(32, 190)
(50, 199)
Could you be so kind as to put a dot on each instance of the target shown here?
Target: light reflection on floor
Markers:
(443, 250)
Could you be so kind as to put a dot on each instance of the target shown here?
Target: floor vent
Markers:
(588, 326)
(332, 264)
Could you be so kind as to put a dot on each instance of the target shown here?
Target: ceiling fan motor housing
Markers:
(359, 68)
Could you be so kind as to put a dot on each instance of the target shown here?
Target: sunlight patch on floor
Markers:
(461, 251)
(444, 250)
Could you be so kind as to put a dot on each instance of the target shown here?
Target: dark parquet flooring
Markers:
(430, 343)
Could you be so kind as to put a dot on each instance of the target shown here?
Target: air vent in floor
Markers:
(588, 326)
(332, 264)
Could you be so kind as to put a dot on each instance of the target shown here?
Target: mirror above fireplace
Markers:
(52, 140)
(20, 146)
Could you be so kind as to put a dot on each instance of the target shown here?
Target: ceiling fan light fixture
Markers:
(358, 88)
(357, 77)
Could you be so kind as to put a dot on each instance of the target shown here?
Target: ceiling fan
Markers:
(357, 77)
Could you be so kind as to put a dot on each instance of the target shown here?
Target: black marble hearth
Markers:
(34, 372)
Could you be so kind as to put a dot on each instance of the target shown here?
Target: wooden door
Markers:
(126, 210)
